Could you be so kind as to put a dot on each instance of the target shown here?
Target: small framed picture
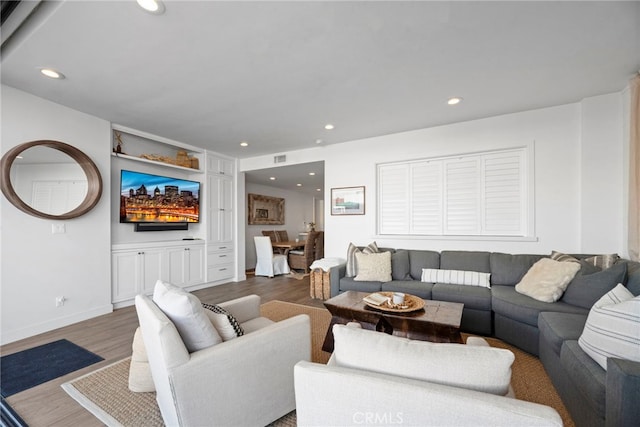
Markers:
(347, 201)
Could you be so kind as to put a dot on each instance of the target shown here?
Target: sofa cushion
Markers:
(509, 303)
(633, 276)
(400, 267)
(422, 259)
(556, 328)
(547, 279)
(613, 327)
(587, 376)
(471, 296)
(465, 260)
(373, 267)
(456, 277)
(413, 287)
(585, 289)
(348, 284)
(187, 314)
(480, 368)
(507, 269)
(352, 264)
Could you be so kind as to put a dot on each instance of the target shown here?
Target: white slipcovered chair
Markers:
(267, 263)
(377, 379)
(246, 380)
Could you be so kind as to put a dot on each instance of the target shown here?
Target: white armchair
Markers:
(374, 378)
(245, 381)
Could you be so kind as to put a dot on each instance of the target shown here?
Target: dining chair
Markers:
(302, 259)
(267, 263)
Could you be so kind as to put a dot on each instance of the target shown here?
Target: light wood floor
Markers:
(110, 336)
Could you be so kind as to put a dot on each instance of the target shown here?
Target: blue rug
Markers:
(29, 368)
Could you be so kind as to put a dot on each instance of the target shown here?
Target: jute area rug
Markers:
(106, 395)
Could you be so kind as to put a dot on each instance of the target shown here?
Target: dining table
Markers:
(286, 246)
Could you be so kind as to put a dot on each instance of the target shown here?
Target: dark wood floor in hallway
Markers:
(110, 336)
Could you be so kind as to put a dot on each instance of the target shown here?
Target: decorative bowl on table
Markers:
(384, 301)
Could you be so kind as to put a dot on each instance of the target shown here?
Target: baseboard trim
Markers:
(51, 324)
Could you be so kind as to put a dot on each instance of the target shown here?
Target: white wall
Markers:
(36, 265)
(567, 140)
(298, 209)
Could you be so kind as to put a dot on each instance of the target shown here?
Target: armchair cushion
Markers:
(472, 367)
(187, 314)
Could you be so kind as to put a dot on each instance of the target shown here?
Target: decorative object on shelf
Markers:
(119, 142)
(182, 159)
(310, 226)
(347, 201)
(265, 210)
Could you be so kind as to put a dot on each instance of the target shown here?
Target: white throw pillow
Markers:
(373, 267)
(472, 367)
(456, 277)
(140, 379)
(547, 279)
(613, 327)
(187, 314)
(352, 264)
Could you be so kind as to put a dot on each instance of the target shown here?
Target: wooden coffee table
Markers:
(438, 321)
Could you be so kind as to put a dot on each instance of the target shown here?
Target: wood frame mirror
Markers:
(94, 180)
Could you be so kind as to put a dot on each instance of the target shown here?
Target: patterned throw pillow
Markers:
(559, 256)
(456, 277)
(603, 261)
(227, 326)
(613, 327)
(352, 266)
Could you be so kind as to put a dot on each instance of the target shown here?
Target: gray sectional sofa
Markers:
(593, 396)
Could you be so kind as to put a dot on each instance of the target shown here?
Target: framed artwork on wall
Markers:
(265, 210)
(347, 201)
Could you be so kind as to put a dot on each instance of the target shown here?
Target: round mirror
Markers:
(50, 179)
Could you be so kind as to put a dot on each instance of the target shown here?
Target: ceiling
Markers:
(214, 74)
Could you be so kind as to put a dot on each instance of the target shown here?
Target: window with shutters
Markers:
(479, 194)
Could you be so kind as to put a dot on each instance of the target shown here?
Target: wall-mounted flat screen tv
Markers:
(147, 198)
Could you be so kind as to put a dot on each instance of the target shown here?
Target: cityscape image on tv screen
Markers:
(160, 199)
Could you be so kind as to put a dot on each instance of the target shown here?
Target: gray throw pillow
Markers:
(585, 289)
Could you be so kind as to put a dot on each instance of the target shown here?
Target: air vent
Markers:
(279, 159)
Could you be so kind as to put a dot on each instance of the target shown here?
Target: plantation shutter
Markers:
(469, 195)
(58, 197)
(394, 191)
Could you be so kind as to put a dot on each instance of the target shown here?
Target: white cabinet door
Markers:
(221, 208)
(150, 270)
(185, 265)
(135, 272)
(124, 275)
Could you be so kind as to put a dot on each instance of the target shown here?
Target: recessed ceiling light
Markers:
(329, 126)
(272, 178)
(51, 73)
(318, 141)
(153, 6)
(318, 189)
(454, 101)
(312, 173)
(244, 144)
(298, 185)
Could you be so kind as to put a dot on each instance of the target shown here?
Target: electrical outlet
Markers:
(60, 301)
